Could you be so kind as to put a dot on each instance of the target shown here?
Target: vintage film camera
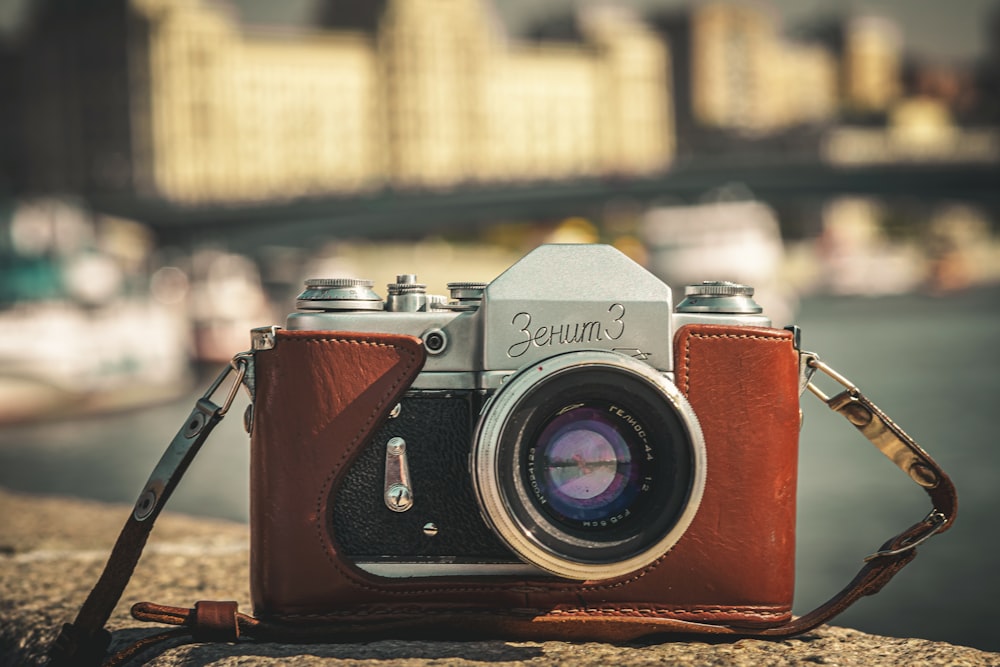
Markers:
(559, 454)
(561, 440)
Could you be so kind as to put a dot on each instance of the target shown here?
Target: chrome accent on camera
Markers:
(263, 338)
(496, 506)
(398, 498)
(430, 529)
(719, 302)
(406, 295)
(435, 341)
(466, 291)
(333, 294)
(465, 296)
(556, 299)
(724, 288)
(398, 492)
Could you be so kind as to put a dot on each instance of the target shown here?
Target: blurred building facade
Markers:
(177, 100)
(181, 101)
(746, 76)
(737, 77)
(872, 63)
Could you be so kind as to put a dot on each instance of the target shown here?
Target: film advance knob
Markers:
(719, 296)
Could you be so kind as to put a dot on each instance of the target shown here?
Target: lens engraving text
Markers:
(636, 426)
(566, 334)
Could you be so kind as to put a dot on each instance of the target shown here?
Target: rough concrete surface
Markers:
(52, 551)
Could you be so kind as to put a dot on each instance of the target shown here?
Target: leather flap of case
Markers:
(319, 396)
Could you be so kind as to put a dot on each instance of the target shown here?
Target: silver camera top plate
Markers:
(558, 298)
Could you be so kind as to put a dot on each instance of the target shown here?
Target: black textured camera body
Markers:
(437, 427)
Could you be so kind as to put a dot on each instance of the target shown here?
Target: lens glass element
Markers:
(583, 467)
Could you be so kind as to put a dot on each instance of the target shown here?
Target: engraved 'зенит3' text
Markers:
(532, 334)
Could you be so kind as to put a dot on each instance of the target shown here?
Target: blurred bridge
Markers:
(411, 214)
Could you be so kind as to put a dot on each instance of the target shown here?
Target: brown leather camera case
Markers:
(321, 395)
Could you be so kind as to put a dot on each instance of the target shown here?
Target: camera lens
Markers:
(585, 466)
(589, 465)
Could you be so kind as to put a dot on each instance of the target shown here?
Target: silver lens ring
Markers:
(527, 527)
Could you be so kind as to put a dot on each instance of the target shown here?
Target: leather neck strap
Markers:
(84, 642)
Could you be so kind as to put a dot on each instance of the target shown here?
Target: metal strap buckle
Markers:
(875, 425)
(185, 444)
(889, 439)
(237, 364)
(933, 524)
(815, 363)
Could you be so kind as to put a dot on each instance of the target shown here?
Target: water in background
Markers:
(932, 363)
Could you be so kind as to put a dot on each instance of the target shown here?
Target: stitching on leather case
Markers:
(631, 612)
(685, 386)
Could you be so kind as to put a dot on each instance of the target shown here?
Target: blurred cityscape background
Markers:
(171, 171)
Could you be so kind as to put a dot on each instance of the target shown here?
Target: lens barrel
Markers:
(589, 465)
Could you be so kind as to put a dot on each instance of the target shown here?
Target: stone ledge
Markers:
(52, 551)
